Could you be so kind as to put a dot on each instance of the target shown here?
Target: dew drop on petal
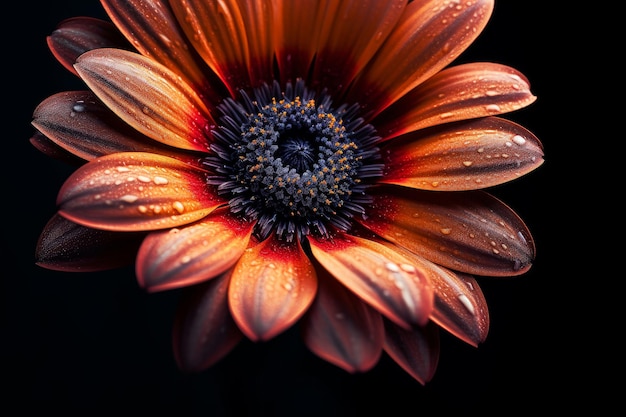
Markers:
(519, 140)
(466, 303)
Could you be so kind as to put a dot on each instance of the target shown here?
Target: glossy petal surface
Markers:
(218, 32)
(416, 350)
(472, 232)
(462, 92)
(75, 36)
(204, 331)
(136, 191)
(384, 278)
(66, 246)
(460, 306)
(350, 33)
(462, 156)
(79, 122)
(342, 329)
(429, 35)
(272, 285)
(148, 96)
(153, 29)
(191, 254)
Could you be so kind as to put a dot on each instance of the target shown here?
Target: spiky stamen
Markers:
(292, 162)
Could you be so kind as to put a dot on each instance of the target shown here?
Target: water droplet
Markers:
(519, 140)
(178, 206)
(392, 267)
(466, 303)
(129, 198)
(446, 230)
(160, 180)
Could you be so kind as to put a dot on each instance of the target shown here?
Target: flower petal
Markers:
(136, 191)
(232, 38)
(462, 156)
(204, 331)
(460, 306)
(342, 329)
(271, 287)
(66, 246)
(382, 277)
(296, 35)
(350, 33)
(471, 232)
(75, 36)
(148, 96)
(44, 145)
(78, 122)
(180, 257)
(416, 350)
(154, 31)
(429, 36)
(458, 93)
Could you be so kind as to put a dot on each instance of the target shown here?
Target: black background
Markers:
(93, 342)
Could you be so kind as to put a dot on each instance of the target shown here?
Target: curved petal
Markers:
(351, 32)
(429, 35)
(204, 331)
(462, 92)
(471, 232)
(382, 277)
(416, 350)
(197, 252)
(136, 191)
(154, 31)
(460, 306)
(148, 96)
(296, 35)
(224, 35)
(271, 287)
(66, 246)
(44, 145)
(75, 36)
(78, 122)
(342, 329)
(462, 156)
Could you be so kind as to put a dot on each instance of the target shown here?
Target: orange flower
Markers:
(311, 162)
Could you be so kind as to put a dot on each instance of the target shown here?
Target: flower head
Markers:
(311, 163)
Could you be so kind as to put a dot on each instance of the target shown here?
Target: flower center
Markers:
(293, 162)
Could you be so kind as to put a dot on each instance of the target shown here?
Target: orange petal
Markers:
(462, 156)
(66, 246)
(415, 350)
(204, 331)
(136, 191)
(429, 36)
(154, 31)
(382, 277)
(79, 122)
(460, 306)
(350, 34)
(471, 232)
(299, 25)
(229, 36)
(458, 93)
(180, 257)
(271, 287)
(342, 329)
(75, 36)
(148, 96)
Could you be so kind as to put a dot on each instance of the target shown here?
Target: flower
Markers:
(314, 163)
